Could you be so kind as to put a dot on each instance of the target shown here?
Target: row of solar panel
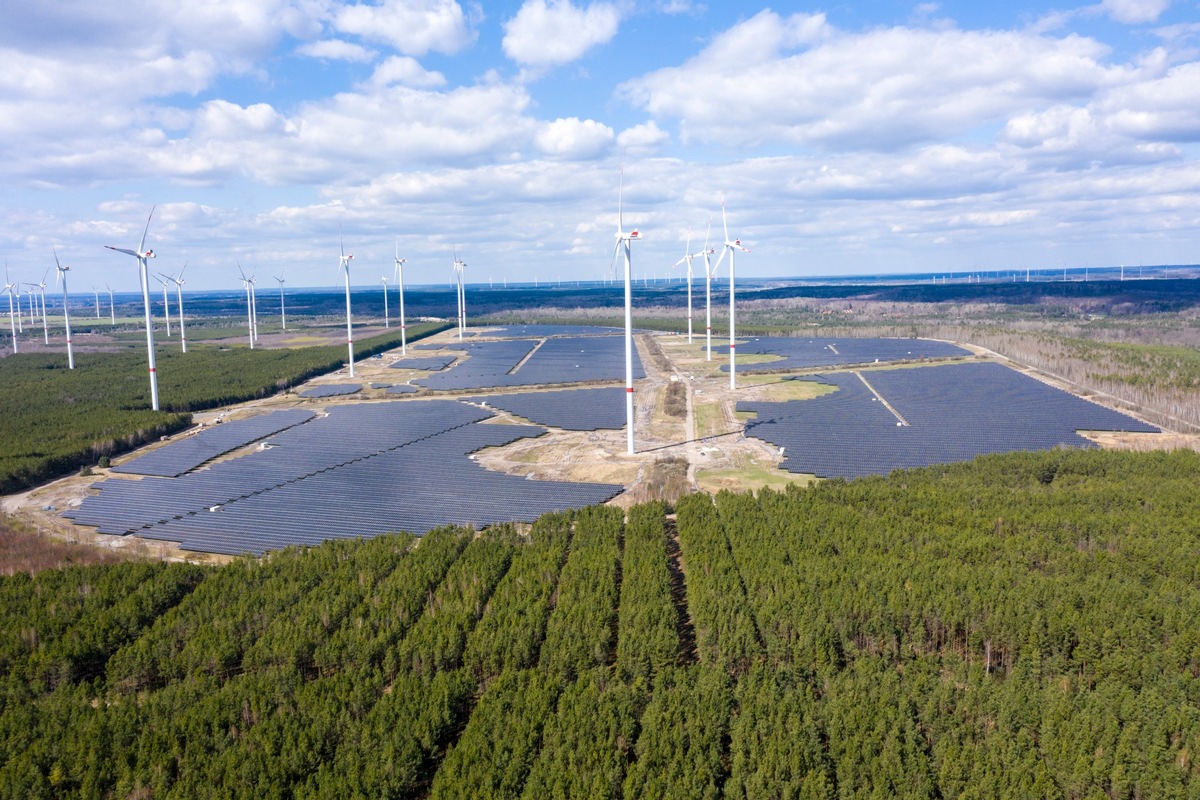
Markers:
(330, 390)
(571, 409)
(551, 361)
(954, 413)
(801, 353)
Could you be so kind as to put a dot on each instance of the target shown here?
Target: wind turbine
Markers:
(32, 304)
(179, 300)
(249, 307)
(165, 281)
(399, 273)
(62, 275)
(709, 272)
(142, 254)
(383, 280)
(344, 265)
(459, 267)
(623, 240)
(96, 294)
(282, 310)
(112, 309)
(41, 287)
(12, 321)
(688, 255)
(730, 248)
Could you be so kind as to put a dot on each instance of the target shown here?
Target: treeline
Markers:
(1023, 625)
(54, 420)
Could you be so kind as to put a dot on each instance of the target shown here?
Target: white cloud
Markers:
(573, 138)
(642, 138)
(882, 89)
(549, 34)
(414, 27)
(337, 50)
(406, 71)
(1134, 12)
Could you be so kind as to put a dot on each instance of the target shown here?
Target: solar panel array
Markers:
(331, 390)
(801, 353)
(572, 410)
(401, 388)
(543, 331)
(188, 453)
(430, 363)
(362, 470)
(954, 413)
(556, 360)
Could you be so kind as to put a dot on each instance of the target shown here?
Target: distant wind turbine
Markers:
(249, 307)
(344, 264)
(62, 276)
(688, 255)
(386, 323)
(165, 281)
(12, 320)
(112, 308)
(142, 254)
(710, 272)
(96, 294)
(623, 240)
(178, 281)
(41, 287)
(730, 247)
(282, 310)
(399, 273)
(459, 267)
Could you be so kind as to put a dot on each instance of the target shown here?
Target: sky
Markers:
(850, 139)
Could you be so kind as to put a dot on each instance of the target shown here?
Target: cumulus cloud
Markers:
(414, 27)
(549, 34)
(337, 50)
(1135, 12)
(798, 81)
(574, 138)
(642, 138)
(406, 71)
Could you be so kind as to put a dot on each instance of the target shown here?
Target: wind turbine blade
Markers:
(142, 247)
(724, 224)
(707, 233)
(716, 266)
(183, 271)
(124, 250)
(612, 265)
(241, 271)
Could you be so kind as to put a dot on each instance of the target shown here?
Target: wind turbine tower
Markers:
(730, 248)
(249, 307)
(142, 255)
(386, 322)
(96, 293)
(41, 287)
(282, 310)
(399, 273)
(344, 263)
(112, 308)
(62, 275)
(178, 301)
(623, 240)
(12, 321)
(165, 281)
(459, 268)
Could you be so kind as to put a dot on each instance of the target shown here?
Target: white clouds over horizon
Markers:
(887, 142)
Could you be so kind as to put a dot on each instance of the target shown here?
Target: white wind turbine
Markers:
(112, 308)
(282, 310)
(710, 272)
(344, 265)
(16, 290)
(459, 267)
(688, 255)
(62, 276)
(178, 300)
(142, 254)
(623, 240)
(386, 323)
(41, 287)
(96, 295)
(32, 304)
(730, 248)
(249, 306)
(165, 281)
(399, 274)
(12, 321)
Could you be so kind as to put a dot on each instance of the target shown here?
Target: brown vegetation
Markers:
(32, 552)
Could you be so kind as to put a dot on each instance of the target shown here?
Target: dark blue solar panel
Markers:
(954, 413)
(573, 409)
(331, 390)
(805, 353)
(362, 470)
(543, 331)
(402, 388)
(430, 363)
(528, 362)
(206, 444)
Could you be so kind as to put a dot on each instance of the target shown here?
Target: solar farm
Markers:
(882, 420)
(533, 403)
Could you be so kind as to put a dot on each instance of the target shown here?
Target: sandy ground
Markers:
(708, 440)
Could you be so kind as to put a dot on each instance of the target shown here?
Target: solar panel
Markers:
(528, 362)
(361, 470)
(573, 409)
(331, 390)
(953, 413)
(206, 444)
(806, 353)
(429, 363)
(401, 388)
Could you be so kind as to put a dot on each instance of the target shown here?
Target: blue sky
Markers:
(857, 138)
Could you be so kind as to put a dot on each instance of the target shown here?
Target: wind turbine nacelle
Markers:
(633, 234)
(149, 254)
